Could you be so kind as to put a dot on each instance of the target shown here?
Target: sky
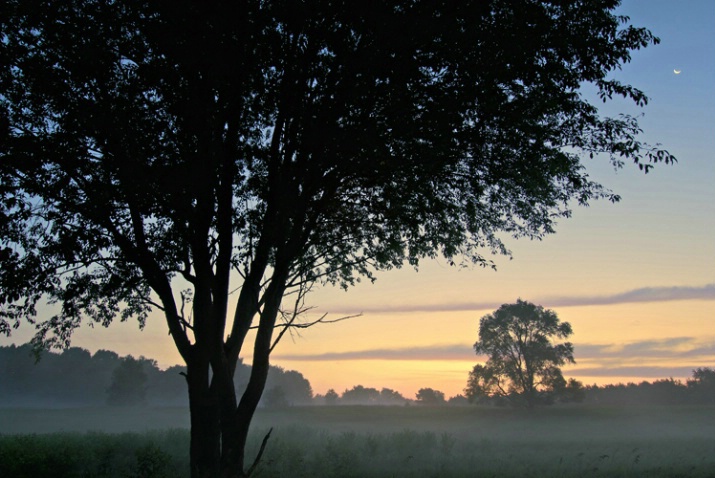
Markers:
(636, 279)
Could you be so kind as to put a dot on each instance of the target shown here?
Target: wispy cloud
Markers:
(631, 371)
(645, 294)
(670, 348)
(432, 352)
(665, 349)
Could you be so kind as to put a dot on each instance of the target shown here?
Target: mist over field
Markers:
(360, 441)
(102, 415)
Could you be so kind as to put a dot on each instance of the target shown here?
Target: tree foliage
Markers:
(359, 395)
(522, 363)
(702, 384)
(75, 379)
(129, 384)
(331, 397)
(429, 396)
(154, 152)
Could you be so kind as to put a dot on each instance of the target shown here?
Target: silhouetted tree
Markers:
(166, 388)
(359, 395)
(331, 397)
(295, 387)
(659, 392)
(73, 378)
(129, 384)
(522, 362)
(275, 397)
(458, 400)
(702, 385)
(391, 397)
(572, 392)
(429, 396)
(147, 147)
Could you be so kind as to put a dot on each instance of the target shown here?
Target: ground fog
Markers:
(376, 442)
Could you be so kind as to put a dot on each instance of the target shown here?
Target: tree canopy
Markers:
(522, 362)
(129, 384)
(161, 154)
(430, 396)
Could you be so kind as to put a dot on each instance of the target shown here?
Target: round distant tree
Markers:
(275, 398)
(523, 365)
(429, 396)
(331, 397)
(128, 386)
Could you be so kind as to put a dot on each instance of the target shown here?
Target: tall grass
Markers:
(95, 455)
(403, 442)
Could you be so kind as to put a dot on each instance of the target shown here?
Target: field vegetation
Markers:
(359, 441)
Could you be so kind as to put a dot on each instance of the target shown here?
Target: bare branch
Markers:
(305, 325)
(260, 453)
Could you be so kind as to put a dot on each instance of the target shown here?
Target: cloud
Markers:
(645, 294)
(673, 348)
(664, 349)
(631, 371)
(670, 348)
(425, 353)
(644, 359)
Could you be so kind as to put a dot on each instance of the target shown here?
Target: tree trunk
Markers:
(237, 424)
(216, 449)
(205, 448)
(219, 428)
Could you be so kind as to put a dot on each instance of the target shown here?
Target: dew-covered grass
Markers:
(577, 441)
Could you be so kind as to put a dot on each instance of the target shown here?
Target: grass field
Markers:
(375, 442)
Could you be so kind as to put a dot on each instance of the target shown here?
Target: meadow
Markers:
(354, 441)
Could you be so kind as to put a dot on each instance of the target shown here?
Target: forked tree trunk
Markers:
(219, 428)
(217, 446)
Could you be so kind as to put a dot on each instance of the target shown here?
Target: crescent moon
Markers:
(677, 72)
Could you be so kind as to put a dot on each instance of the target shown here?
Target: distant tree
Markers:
(151, 146)
(167, 387)
(572, 392)
(331, 397)
(666, 391)
(296, 388)
(275, 397)
(389, 396)
(359, 395)
(522, 364)
(72, 378)
(129, 384)
(702, 385)
(20, 375)
(429, 396)
(106, 356)
(458, 400)
(704, 375)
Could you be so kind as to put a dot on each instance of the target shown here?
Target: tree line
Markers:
(696, 390)
(77, 378)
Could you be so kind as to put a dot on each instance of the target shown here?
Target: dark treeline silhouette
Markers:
(360, 395)
(699, 389)
(77, 378)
